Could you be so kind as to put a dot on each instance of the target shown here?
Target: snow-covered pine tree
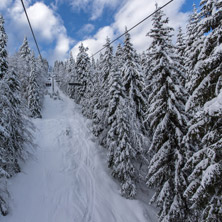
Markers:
(119, 57)
(208, 67)
(194, 43)
(56, 71)
(180, 51)
(181, 43)
(143, 61)
(133, 82)
(24, 50)
(4, 133)
(24, 67)
(89, 96)
(71, 76)
(3, 50)
(123, 168)
(64, 73)
(119, 142)
(87, 101)
(34, 102)
(167, 121)
(96, 126)
(8, 165)
(14, 134)
(14, 128)
(82, 69)
(204, 167)
(42, 72)
(116, 91)
(100, 125)
(61, 73)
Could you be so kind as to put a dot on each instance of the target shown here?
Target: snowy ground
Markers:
(68, 180)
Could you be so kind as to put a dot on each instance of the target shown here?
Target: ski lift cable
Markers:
(31, 30)
(133, 27)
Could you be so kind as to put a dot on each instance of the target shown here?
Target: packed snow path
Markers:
(67, 180)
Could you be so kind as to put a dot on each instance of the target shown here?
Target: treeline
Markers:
(160, 111)
(21, 97)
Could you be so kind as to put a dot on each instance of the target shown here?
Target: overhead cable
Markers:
(31, 29)
(134, 26)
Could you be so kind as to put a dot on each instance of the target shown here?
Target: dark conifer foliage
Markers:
(96, 115)
(34, 98)
(14, 125)
(207, 69)
(119, 140)
(167, 121)
(3, 51)
(24, 67)
(204, 135)
(82, 71)
(72, 77)
(180, 51)
(124, 153)
(100, 123)
(133, 82)
(194, 43)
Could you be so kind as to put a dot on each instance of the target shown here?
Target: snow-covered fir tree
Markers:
(133, 82)
(4, 131)
(82, 69)
(42, 72)
(207, 68)
(167, 120)
(14, 128)
(143, 61)
(34, 100)
(3, 50)
(61, 72)
(181, 43)
(96, 126)
(204, 167)
(100, 125)
(194, 42)
(71, 76)
(119, 141)
(116, 91)
(123, 168)
(204, 135)
(56, 70)
(89, 95)
(24, 67)
(64, 76)
(180, 51)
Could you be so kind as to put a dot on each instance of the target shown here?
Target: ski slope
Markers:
(68, 180)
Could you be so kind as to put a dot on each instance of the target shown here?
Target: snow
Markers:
(214, 106)
(67, 179)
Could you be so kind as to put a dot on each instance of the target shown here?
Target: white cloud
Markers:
(96, 42)
(95, 7)
(132, 12)
(86, 29)
(4, 4)
(62, 47)
(47, 26)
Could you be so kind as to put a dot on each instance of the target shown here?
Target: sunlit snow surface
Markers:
(67, 180)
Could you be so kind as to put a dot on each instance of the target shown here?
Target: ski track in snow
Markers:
(68, 181)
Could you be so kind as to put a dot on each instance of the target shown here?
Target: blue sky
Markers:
(61, 25)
